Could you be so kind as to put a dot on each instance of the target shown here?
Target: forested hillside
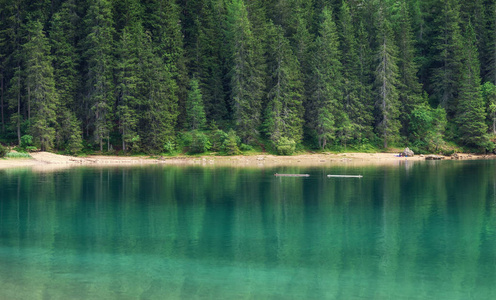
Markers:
(160, 76)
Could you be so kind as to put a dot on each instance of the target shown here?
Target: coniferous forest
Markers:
(158, 76)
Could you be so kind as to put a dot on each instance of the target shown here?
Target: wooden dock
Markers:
(345, 176)
(292, 175)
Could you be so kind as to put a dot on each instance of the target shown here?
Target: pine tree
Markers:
(247, 81)
(409, 89)
(490, 50)
(208, 63)
(194, 107)
(284, 117)
(386, 80)
(162, 20)
(13, 32)
(3, 63)
(159, 107)
(40, 84)
(63, 38)
(447, 55)
(365, 88)
(324, 110)
(488, 91)
(99, 78)
(470, 111)
(128, 83)
(355, 104)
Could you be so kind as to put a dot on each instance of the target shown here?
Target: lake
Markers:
(424, 230)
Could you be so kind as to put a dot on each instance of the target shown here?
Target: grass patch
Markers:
(17, 155)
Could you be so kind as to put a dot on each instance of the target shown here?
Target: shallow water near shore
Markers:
(423, 230)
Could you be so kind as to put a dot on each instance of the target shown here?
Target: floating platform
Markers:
(345, 176)
(292, 175)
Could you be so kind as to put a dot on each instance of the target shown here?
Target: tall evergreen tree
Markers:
(162, 19)
(208, 63)
(194, 107)
(447, 55)
(40, 84)
(128, 83)
(284, 117)
(470, 111)
(247, 82)
(409, 89)
(159, 107)
(488, 91)
(63, 37)
(355, 102)
(302, 42)
(99, 48)
(490, 42)
(324, 109)
(13, 32)
(3, 50)
(386, 80)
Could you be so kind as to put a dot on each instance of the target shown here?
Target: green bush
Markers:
(18, 155)
(217, 138)
(230, 145)
(199, 143)
(245, 147)
(285, 146)
(184, 140)
(26, 140)
(169, 147)
(3, 151)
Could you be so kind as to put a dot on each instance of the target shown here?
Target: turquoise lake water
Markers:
(422, 230)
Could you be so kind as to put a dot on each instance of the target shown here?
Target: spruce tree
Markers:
(489, 67)
(447, 55)
(162, 20)
(159, 107)
(128, 83)
(488, 91)
(13, 32)
(246, 79)
(470, 110)
(99, 49)
(324, 109)
(284, 113)
(63, 37)
(409, 89)
(302, 42)
(386, 81)
(208, 63)
(40, 84)
(194, 107)
(3, 63)
(355, 103)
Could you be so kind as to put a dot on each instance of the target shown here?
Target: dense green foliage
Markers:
(130, 75)
(3, 151)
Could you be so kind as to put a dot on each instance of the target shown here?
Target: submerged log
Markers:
(292, 175)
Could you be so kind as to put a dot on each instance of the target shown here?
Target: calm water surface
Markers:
(412, 231)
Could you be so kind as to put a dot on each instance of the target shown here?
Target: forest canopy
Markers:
(160, 76)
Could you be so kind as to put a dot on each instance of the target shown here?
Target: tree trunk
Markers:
(123, 141)
(1, 104)
(19, 110)
(29, 103)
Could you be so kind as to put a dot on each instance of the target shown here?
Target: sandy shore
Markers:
(49, 161)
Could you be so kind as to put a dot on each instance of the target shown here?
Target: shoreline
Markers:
(46, 161)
